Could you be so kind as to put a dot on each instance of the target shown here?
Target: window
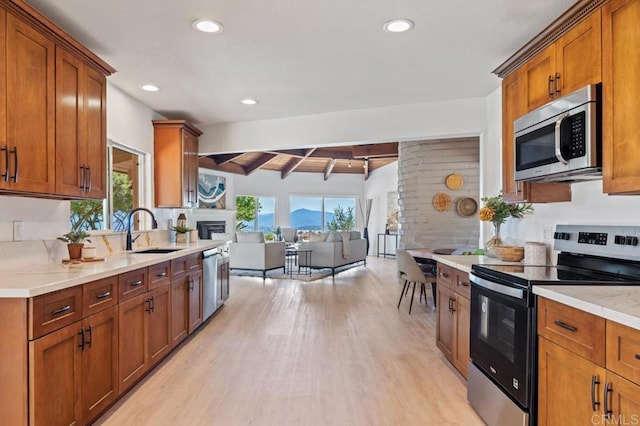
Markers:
(322, 213)
(123, 194)
(255, 213)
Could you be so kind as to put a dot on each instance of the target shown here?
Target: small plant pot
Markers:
(75, 250)
(182, 238)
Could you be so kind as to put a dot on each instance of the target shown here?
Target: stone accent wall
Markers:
(422, 169)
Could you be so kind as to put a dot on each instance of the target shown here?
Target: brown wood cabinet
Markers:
(195, 300)
(621, 94)
(176, 163)
(453, 316)
(223, 277)
(574, 384)
(179, 311)
(159, 324)
(132, 340)
(80, 128)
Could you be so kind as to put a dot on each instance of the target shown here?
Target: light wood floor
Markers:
(320, 353)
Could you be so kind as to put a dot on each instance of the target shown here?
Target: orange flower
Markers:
(486, 214)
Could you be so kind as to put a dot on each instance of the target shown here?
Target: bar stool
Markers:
(411, 272)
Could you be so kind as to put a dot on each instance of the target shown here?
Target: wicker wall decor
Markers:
(441, 202)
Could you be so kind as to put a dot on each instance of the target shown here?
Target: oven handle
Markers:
(558, 150)
(516, 293)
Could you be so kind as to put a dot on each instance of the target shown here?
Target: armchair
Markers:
(289, 235)
(249, 251)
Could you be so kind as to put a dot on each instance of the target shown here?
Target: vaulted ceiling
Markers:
(353, 159)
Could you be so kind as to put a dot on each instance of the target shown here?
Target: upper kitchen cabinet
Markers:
(570, 63)
(621, 94)
(176, 163)
(27, 160)
(80, 128)
(514, 105)
(52, 109)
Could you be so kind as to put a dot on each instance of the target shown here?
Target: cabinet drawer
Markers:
(623, 351)
(446, 276)
(99, 295)
(571, 328)
(131, 284)
(194, 262)
(179, 266)
(462, 284)
(159, 274)
(53, 311)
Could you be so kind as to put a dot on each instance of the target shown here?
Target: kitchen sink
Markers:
(156, 251)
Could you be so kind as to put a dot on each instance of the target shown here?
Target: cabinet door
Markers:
(95, 132)
(159, 324)
(31, 117)
(132, 341)
(100, 362)
(462, 326)
(71, 173)
(190, 169)
(179, 311)
(622, 400)
(55, 371)
(223, 280)
(195, 301)
(539, 75)
(621, 94)
(445, 322)
(579, 56)
(566, 383)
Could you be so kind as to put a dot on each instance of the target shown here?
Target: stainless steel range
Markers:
(503, 342)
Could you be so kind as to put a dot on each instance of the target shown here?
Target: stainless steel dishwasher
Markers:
(209, 282)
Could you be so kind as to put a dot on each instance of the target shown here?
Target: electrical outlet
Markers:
(18, 230)
(547, 233)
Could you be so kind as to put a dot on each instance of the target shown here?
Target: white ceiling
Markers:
(300, 57)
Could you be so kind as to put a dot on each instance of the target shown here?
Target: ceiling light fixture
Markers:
(207, 26)
(398, 25)
(249, 101)
(149, 88)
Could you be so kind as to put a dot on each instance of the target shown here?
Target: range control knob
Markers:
(561, 236)
(620, 239)
(631, 241)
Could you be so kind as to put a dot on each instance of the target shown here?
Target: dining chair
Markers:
(410, 272)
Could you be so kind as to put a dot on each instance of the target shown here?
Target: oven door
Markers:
(500, 335)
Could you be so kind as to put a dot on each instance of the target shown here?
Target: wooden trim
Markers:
(389, 149)
(14, 356)
(178, 123)
(57, 34)
(225, 158)
(295, 162)
(550, 34)
(329, 169)
(259, 162)
(366, 169)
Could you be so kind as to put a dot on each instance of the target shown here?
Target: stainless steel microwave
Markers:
(561, 141)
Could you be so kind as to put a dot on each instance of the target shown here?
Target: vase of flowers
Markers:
(497, 211)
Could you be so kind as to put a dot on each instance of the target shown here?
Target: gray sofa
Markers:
(333, 252)
(249, 251)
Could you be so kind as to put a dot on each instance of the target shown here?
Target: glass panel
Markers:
(306, 213)
(266, 215)
(339, 214)
(247, 207)
(87, 215)
(498, 326)
(124, 188)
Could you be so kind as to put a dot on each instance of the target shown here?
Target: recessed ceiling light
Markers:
(398, 25)
(207, 26)
(149, 87)
(249, 101)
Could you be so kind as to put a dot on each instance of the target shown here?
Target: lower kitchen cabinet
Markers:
(453, 316)
(73, 371)
(195, 300)
(179, 311)
(223, 278)
(159, 324)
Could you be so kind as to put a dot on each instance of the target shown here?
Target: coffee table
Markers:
(292, 257)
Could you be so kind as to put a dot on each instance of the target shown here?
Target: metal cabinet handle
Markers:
(549, 83)
(136, 283)
(607, 392)
(148, 308)
(637, 356)
(555, 84)
(88, 187)
(558, 149)
(594, 382)
(83, 178)
(161, 275)
(5, 175)
(15, 164)
(453, 304)
(565, 326)
(463, 284)
(153, 303)
(191, 284)
(444, 275)
(90, 333)
(81, 334)
(61, 310)
(103, 295)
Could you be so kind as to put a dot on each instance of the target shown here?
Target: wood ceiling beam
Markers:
(294, 163)
(329, 169)
(263, 159)
(208, 163)
(366, 169)
(389, 149)
(292, 152)
(221, 159)
(334, 154)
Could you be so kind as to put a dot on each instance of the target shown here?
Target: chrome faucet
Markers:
(154, 225)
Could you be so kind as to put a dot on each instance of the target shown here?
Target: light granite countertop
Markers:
(616, 303)
(464, 262)
(36, 279)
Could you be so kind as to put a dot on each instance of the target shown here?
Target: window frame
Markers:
(256, 223)
(323, 198)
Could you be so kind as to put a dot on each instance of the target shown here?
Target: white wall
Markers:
(464, 117)
(380, 182)
(268, 183)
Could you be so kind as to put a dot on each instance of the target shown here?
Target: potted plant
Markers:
(75, 241)
(182, 233)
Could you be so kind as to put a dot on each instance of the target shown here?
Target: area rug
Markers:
(316, 274)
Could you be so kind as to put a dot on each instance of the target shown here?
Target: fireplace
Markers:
(208, 227)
